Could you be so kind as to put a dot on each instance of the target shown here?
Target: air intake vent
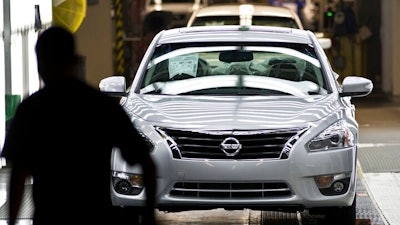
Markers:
(230, 190)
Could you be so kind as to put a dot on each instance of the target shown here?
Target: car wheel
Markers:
(341, 215)
(128, 215)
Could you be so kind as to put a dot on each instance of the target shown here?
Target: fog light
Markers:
(122, 187)
(333, 184)
(127, 184)
(338, 186)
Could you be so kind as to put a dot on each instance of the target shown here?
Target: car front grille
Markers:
(236, 144)
(230, 190)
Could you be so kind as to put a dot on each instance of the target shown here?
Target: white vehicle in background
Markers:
(250, 14)
(245, 14)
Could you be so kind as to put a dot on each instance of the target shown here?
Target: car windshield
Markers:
(234, 69)
(255, 20)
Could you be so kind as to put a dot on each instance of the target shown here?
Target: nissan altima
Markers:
(242, 117)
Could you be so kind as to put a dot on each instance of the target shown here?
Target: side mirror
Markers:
(114, 86)
(354, 86)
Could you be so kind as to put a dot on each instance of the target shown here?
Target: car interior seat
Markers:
(287, 71)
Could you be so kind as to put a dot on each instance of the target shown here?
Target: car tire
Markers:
(341, 215)
(128, 215)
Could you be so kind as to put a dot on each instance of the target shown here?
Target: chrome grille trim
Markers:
(205, 144)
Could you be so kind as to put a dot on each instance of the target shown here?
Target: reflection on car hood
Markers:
(229, 112)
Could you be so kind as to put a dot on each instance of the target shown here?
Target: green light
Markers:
(329, 14)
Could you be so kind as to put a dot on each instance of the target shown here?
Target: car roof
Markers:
(234, 33)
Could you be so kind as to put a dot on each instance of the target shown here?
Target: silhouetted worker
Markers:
(62, 136)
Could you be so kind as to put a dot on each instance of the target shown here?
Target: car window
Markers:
(255, 20)
(216, 20)
(234, 69)
(274, 21)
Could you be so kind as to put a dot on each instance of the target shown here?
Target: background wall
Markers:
(95, 41)
(390, 33)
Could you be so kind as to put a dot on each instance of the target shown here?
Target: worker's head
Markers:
(56, 54)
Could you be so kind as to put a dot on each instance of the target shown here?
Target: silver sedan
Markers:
(242, 117)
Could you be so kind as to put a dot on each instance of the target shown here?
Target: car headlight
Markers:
(337, 136)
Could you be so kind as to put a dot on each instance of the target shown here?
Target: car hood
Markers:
(237, 112)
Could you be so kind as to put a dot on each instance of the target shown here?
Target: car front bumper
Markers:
(185, 184)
